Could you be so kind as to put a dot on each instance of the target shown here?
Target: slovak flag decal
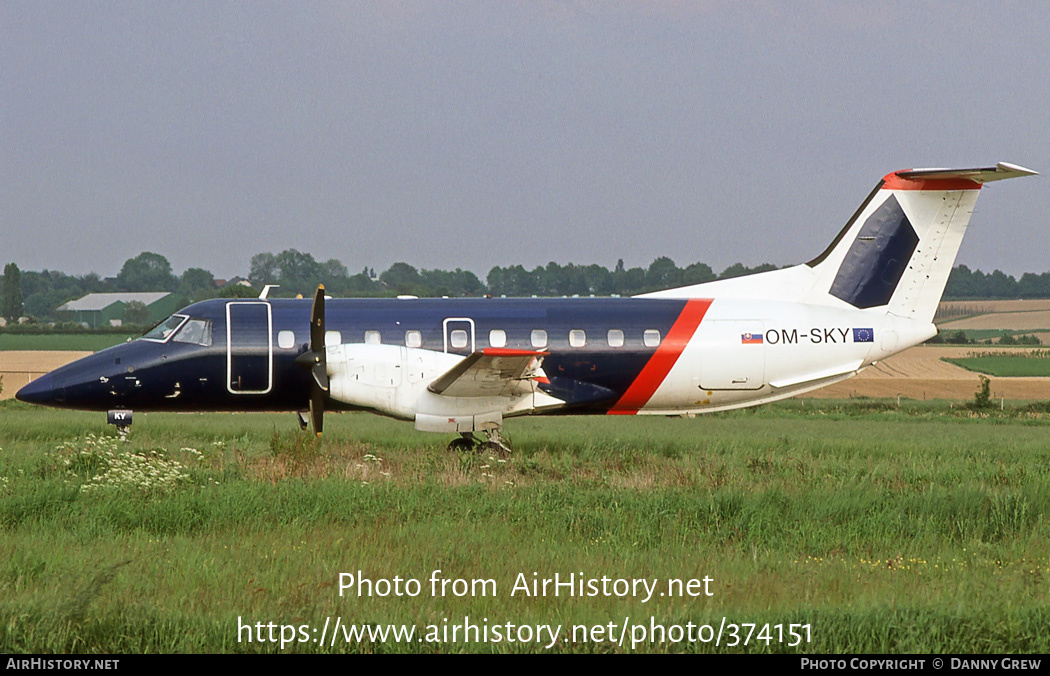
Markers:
(751, 338)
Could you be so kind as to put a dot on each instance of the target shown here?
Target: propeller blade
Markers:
(316, 361)
(317, 321)
(320, 373)
(317, 410)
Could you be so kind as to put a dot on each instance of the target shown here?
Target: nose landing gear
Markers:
(122, 420)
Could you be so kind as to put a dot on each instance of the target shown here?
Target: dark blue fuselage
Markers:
(239, 355)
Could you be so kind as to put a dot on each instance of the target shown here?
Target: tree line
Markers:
(38, 294)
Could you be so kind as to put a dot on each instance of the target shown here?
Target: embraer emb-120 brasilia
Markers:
(462, 366)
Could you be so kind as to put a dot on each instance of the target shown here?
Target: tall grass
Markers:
(887, 530)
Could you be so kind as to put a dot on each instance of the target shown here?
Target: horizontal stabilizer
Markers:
(1000, 171)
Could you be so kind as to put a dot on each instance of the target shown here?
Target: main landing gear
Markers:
(495, 445)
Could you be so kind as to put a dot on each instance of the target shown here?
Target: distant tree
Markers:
(513, 281)
(982, 398)
(698, 273)
(264, 269)
(295, 272)
(402, 278)
(196, 284)
(568, 280)
(147, 272)
(332, 270)
(11, 301)
(300, 272)
(740, 270)
(136, 312)
(456, 283)
(466, 283)
(598, 279)
(46, 290)
(960, 283)
(662, 274)
(236, 291)
(92, 283)
(1001, 285)
(1031, 285)
(362, 285)
(633, 281)
(734, 270)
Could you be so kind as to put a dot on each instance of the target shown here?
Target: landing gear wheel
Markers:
(496, 445)
(466, 442)
(495, 448)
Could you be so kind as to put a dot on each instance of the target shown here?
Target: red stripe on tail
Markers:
(895, 182)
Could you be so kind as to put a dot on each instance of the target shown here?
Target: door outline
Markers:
(728, 363)
(445, 331)
(269, 352)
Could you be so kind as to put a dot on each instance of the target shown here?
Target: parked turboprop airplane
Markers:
(463, 365)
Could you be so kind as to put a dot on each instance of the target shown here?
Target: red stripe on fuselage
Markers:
(665, 357)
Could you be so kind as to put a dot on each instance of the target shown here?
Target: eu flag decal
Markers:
(863, 335)
(751, 338)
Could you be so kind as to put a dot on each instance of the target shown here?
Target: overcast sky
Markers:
(473, 134)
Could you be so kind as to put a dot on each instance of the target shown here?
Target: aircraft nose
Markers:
(40, 391)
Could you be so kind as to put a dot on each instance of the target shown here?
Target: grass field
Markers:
(82, 342)
(920, 529)
(1005, 363)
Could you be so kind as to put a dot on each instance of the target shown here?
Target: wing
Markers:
(492, 372)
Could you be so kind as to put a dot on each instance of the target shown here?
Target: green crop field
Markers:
(985, 334)
(1006, 363)
(856, 527)
(87, 342)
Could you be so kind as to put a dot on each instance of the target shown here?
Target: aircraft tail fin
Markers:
(899, 248)
(893, 255)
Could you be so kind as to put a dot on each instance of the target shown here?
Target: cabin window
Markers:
(615, 338)
(498, 338)
(458, 338)
(195, 331)
(651, 338)
(285, 339)
(161, 332)
(373, 338)
(577, 338)
(333, 338)
(539, 338)
(413, 338)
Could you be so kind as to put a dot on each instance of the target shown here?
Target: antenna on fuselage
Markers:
(266, 290)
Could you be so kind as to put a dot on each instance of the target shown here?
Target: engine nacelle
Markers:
(386, 378)
(393, 379)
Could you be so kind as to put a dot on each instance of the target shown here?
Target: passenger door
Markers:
(249, 347)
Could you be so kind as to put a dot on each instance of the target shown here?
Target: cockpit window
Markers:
(196, 331)
(161, 332)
